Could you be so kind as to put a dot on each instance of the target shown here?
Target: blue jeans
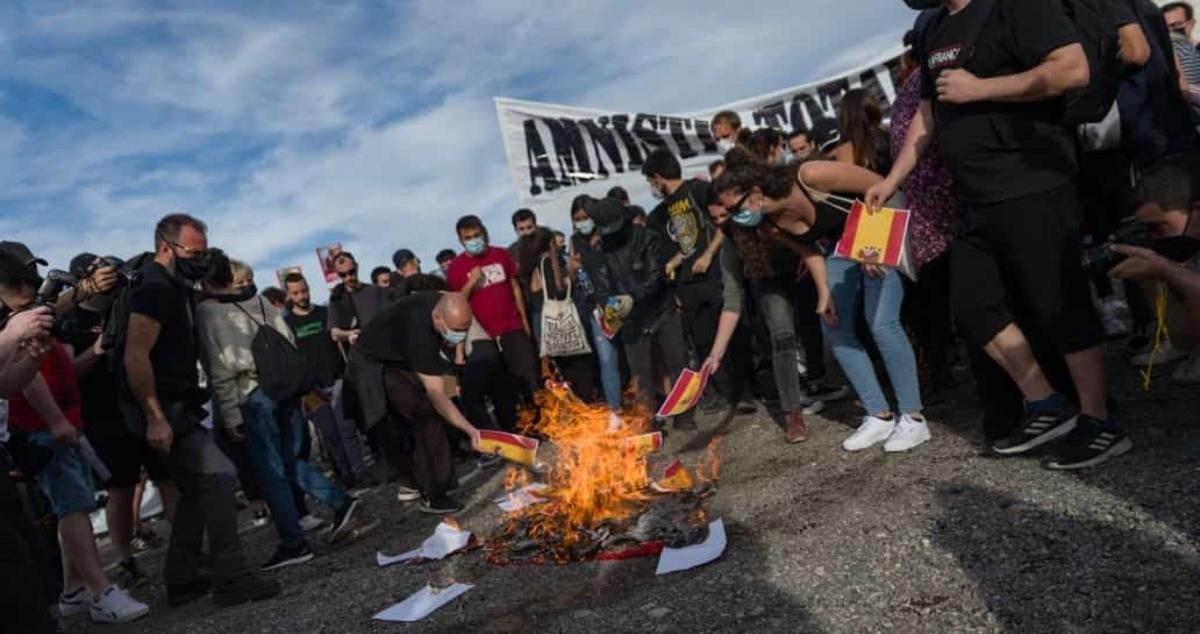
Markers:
(311, 479)
(270, 447)
(881, 298)
(67, 479)
(610, 370)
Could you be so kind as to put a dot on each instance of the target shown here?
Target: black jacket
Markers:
(631, 262)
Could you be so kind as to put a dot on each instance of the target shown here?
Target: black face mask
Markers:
(194, 268)
(921, 5)
(1177, 248)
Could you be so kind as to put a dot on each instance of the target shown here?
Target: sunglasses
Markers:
(344, 274)
(738, 205)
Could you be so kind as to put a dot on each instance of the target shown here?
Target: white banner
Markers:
(557, 152)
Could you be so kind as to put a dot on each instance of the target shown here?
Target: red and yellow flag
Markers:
(674, 478)
(519, 449)
(312, 402)
(686, 393)
(644, 444)
(877, 237)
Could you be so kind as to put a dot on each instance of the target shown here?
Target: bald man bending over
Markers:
(414, 339)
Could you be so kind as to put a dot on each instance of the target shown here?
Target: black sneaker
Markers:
(183, 593)
(1091, 443)
(288, 556)
(245, 588)
(343, 517)
(440, 505)
(822, 391)
(1037, 429)
(129, 576)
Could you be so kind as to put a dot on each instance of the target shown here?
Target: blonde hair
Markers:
(241, 273)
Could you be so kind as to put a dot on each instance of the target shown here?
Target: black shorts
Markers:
(1019, 261)
(125, 454)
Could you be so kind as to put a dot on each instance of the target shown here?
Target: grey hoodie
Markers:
(226, 333)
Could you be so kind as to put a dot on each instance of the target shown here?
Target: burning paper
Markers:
(422, 603)
(686, 393)
(675, 478)
(519, 449)
(522, 497)
(446, 538)
(676, 559)
(644, 444)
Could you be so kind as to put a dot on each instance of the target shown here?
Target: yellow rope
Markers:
(1161, 334)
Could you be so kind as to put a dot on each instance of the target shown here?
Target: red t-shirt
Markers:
(492, 300)
(59, 372)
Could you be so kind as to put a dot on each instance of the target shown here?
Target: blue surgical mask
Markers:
(475, 246)
(586, 226)
(748, 217)
(454, 337)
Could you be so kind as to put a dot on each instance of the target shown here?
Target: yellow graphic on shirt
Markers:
(682, 226)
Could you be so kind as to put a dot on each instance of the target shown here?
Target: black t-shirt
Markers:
(97, 390)
(316, 344)
(683, 218)
(402, 336)
(1000, 151)
(175, 356)
(349, 310)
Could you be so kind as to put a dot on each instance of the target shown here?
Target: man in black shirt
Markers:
(161, 359)
(995, 72)
(308, 322)
(414, 340)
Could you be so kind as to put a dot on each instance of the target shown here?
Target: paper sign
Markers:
(523, 497)
(877, 237)
(422, 603)
(326, 257)
(519, 449)
(281, 274)
(676, 559)
(609, 324)
(675, 478)
(446, 539)
(644, 444)
(688, 389)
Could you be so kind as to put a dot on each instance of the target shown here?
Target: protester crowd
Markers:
(1051, 163)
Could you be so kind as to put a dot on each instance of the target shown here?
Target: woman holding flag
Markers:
(788, 205)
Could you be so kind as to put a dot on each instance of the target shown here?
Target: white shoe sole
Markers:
(907, 446)
(337, 530)
(853, 448)
(1112, 452)
(1054, 434)
(132, 616)
(294, 561)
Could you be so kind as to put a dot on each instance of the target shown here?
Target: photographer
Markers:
(48, 411)
(1168, 203)
(98, 280)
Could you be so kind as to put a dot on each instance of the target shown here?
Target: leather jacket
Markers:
(630, 262)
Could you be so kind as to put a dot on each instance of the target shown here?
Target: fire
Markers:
(598, 479)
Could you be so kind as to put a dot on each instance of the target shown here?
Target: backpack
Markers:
(283, 371)
(118, 317)
(1097, 35)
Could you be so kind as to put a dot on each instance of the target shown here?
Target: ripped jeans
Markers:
(778, 305)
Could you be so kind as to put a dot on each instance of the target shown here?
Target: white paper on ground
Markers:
(676, 559)
(445, 539)
(522, 497)
(422, 603)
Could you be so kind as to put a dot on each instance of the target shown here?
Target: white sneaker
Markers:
(74, 604)
(614, 421)
(311, 522)
(407, 493)
(911, 432)
(1188, 372)
(871, 432)
(813, 407)
(114, 605)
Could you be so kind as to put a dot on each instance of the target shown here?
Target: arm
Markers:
(23, 326)
(222, 377)
(656, 277)
(700, 266)
(1135, 50)
(437, 395)
(733, 296)
(916, 141)
(37, 394)
(86, 360)
(142, 334)
(519, 298)
(830, 176)
(17, 373)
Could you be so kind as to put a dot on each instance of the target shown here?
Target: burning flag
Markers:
(675, 478)
(519, 449)
(686, 393)
(879, 237)
(643, 444)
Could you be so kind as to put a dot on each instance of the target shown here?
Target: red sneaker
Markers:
(797, 430)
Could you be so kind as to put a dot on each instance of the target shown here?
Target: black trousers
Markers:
(700, 304)
(428, 459)
(485, 378)
(22, 598)
(663, 343)
(926, 312)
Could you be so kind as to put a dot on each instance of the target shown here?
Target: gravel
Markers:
(941, 539)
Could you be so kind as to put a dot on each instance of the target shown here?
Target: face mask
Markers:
(586, 227)
(724, 145)
(657, 193)
(921, 5)
(454, 337)
(613, 228)
(475, 246)
(1177, 248)
(194, 268)
(785, 158)
(748, 217)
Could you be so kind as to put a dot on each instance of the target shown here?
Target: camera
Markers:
(53, 285)
(1101, 258)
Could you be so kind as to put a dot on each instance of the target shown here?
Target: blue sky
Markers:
(288, 125)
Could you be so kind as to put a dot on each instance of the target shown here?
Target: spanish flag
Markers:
(879, 237)
(674, 478)
(644, 444)
(686, 393)
(519, 449)
(313, 401)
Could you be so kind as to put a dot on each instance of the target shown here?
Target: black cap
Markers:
(609, 213)
(825, 135)
(445, 255)
(81, 263)
(21, 252)
(402, 257)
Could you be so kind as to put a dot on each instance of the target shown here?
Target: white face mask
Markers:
(656, 192)
(724, 145)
